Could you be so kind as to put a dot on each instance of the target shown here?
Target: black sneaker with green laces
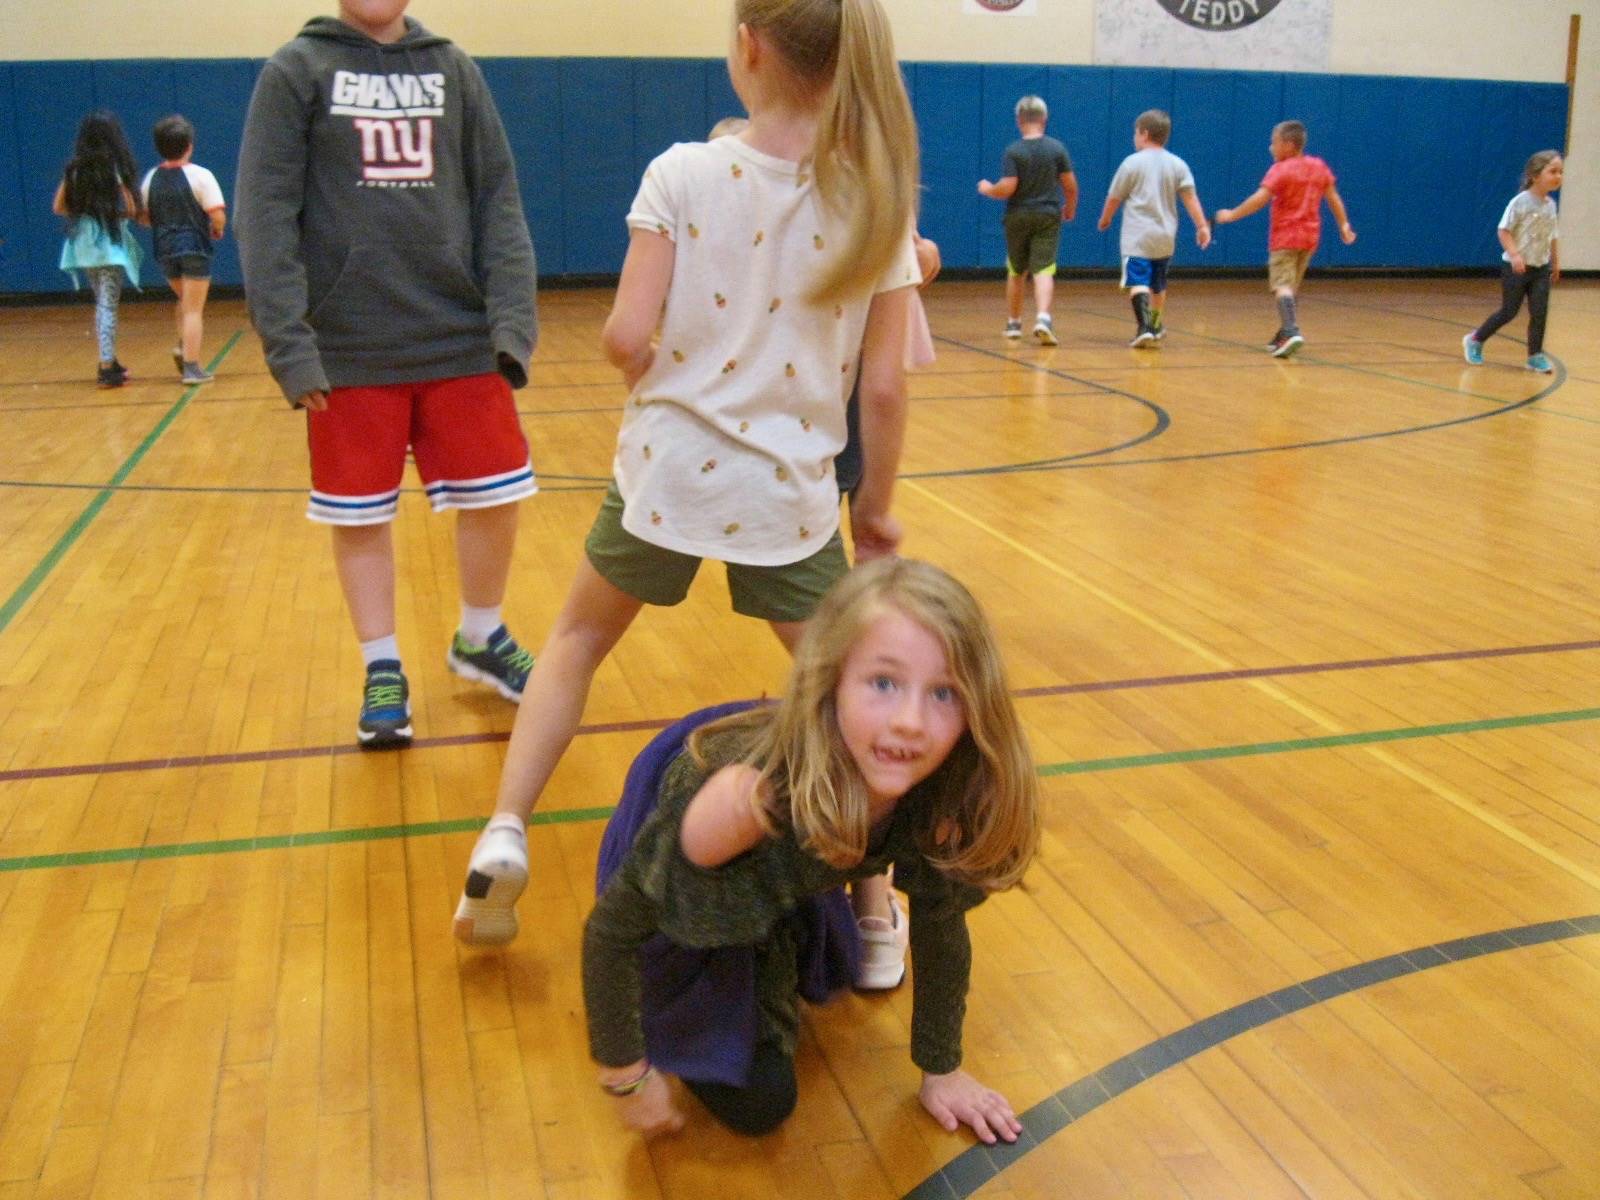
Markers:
(385, 707)
(502, 664)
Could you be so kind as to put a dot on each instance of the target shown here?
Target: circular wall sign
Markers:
(1214, 15)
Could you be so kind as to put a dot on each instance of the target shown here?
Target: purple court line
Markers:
(1064, 689)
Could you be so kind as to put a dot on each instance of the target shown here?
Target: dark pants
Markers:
(764, 1102)
(1534, 283)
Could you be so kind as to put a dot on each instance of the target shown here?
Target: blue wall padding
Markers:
(1425, 165)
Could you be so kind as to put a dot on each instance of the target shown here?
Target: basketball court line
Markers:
(1310, 712)
(79, 858)
(1138, 683)
(54, 555)
(970, 1170)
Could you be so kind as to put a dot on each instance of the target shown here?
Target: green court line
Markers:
(376, 833)
(1331, 741)
(56, 553)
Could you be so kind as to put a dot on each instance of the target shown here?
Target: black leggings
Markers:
(1534, 283)
(762, 1104)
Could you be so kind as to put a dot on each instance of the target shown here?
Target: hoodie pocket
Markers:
(407, 288)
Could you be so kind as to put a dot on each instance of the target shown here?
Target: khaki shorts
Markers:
(1287, 268)
(660, 576)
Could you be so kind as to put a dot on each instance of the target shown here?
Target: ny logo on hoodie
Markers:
(394, 115)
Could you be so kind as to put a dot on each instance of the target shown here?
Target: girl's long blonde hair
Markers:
(980, 809)
(865, 160)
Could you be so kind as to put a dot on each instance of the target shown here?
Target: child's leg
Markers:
(1538, 308)
(485, 539)
(1044, 292)
(765, 1101)
(191, 307)
(364, 557)
(1512, 288)
(1014, 286)
(107, 285)
(595, 616)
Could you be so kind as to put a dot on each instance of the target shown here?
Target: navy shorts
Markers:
(1145, 272)
(187, 266)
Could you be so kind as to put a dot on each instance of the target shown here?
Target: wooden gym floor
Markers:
(1309, 652)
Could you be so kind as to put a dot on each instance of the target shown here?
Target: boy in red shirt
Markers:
(1295, 186)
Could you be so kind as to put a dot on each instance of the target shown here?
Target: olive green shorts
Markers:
(660, 576)
(1033, 238)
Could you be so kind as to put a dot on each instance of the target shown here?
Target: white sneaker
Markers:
(1044, 331)
(496, 875)
(883, 949)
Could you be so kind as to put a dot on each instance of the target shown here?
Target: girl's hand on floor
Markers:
(651, 1110)
(959, 1099)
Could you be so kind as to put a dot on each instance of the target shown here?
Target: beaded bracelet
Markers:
(632, 1086)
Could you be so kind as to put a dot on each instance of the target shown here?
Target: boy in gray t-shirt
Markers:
(1150, 182)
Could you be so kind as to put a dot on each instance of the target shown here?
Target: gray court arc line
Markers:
(977, 1165)
(19, 598)
(1070, 463)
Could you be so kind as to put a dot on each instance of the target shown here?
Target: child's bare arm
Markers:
(1555, 260)
(1256, 201)
(1002, 189)
(646, 275)
(219, 223)
(1197, 214)
(1336, 206)
(1113, 202)
(1069, 192)
(59, 204)
(883, 425)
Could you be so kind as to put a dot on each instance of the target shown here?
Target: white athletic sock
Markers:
(379, 649)
(478, 623)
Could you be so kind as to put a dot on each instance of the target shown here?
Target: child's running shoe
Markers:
(193, 372)
(1044, 330)
(1157, 325)
(502, 664)
(1145, 337)
(1275, 342)
(1291, 342)
(496, 874)
(1014, 328)
(1472, 350)
(385, 719)
(109, 377)
(883, 950)
(177, 358)
(1541, 364)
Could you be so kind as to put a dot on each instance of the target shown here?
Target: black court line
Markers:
(976, 1166)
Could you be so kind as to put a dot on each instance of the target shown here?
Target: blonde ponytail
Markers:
(865, 160)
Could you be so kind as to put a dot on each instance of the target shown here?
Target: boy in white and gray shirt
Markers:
(1151, 181)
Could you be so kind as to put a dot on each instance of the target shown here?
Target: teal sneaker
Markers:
(385, 719)
(1541, 364)
(502, 664)
(1472, 351)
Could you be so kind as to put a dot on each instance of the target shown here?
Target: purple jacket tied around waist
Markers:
(699, 1006)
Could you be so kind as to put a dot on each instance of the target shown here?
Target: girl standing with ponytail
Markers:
(779, 266)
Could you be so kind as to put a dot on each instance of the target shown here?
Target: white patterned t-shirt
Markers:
(727, 442)
(1531, 222)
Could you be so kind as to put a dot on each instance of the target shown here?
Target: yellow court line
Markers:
(1416, 774)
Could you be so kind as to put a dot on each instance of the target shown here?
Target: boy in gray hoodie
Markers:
(390, 275)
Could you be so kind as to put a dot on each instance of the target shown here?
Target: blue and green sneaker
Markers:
(502, 664)
(385, 707)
